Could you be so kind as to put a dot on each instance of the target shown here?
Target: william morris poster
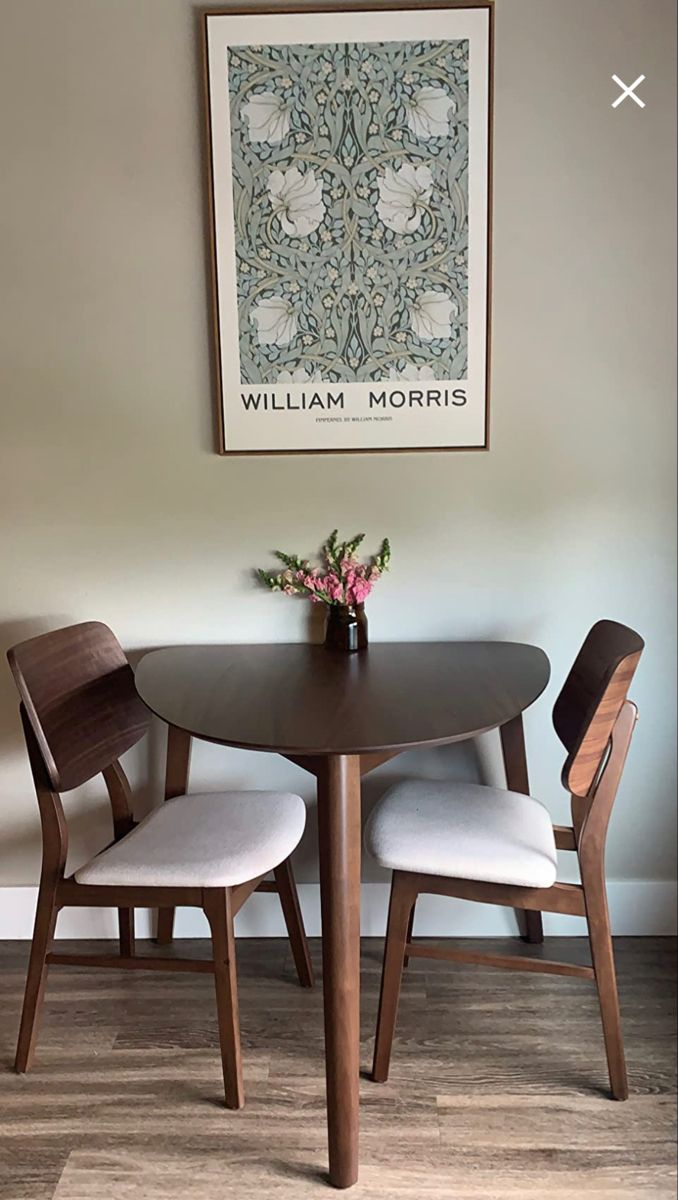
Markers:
(350, 183)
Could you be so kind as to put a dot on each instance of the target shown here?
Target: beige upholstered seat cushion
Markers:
(463, 831)
(213, 840)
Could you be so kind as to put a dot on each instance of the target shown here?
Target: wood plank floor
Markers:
(498, 1086)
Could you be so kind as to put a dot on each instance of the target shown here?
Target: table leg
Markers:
(176, 784)
(339, 841)
(515, 765)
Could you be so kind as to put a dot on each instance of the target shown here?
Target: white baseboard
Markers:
(637, 907)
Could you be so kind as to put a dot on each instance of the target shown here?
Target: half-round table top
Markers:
(307, 700)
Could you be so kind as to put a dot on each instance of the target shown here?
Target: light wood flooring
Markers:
(497, 1091)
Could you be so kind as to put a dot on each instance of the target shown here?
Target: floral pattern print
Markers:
(301, 375)
(267, 118)
(412, 373)
(350, 189)
(427, 112)
(297, 201)
(403, 197)
(431, 316)
(276, 321)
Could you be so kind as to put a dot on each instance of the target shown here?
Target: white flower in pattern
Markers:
(403, 194)
(411, 373)
(301, 375)
(427, 112)
(267, 117)
(296, 200)
(431, 316)
(276, 321)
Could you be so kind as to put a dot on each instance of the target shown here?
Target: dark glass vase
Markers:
(346, 627)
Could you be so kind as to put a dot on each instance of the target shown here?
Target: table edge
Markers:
(354, 752)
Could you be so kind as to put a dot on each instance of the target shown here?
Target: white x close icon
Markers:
(628, 90)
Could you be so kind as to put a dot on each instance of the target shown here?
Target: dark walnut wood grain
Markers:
(177, 771)
(306, 700)
(591, 698)
(595, 721)
(77, 688)
(515, 768)
(79, 710)
(339, 716)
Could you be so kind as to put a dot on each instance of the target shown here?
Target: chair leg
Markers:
(165, 927)
(400, 908)
(602, 956)
(43, 937)
(217, 904)
(512, 736)
(289, 900)
(126, 928)
(410, 931)
(533, 927)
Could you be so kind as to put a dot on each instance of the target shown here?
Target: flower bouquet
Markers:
(342, 583)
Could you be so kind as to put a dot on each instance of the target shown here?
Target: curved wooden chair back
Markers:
(78, 694)
(80, 711)
(591, 700)
(594, 720)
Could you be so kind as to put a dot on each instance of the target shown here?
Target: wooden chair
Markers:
(499, 847)
(80, 711)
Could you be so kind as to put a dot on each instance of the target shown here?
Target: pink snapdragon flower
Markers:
(359, 591)
(333, 587)
(342, 579)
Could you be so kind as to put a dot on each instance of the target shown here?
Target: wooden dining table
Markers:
(339, 716)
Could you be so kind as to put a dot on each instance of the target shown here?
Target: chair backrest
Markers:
(591, 700)
(78, 694)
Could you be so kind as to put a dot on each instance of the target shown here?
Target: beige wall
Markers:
(113, 504)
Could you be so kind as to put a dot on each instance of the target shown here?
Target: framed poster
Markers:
(350, 189)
